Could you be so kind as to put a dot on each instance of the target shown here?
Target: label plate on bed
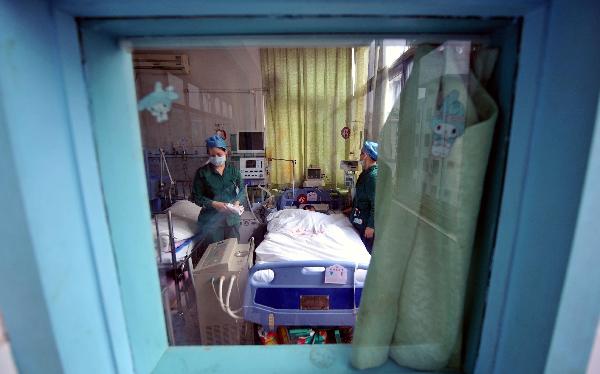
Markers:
(314, 302)
(336, 274)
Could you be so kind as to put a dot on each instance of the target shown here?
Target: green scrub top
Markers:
(211, 186)
(363, 204)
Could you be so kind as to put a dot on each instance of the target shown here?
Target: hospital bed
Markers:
(176, 236)
(176, 232)
(289, 286)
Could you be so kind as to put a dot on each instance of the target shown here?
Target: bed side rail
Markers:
(303, 273)
(297, 295)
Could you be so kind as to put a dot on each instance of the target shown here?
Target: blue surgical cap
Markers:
(370, 148)
(216, 141)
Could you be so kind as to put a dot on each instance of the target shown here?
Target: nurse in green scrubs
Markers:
(362, 215)
(215, 185)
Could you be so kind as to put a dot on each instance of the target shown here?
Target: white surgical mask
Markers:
(363, 163)
(217, 160)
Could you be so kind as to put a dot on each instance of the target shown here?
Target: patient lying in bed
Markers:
(301, 235)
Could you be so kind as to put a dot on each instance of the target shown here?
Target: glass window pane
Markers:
(281, 178)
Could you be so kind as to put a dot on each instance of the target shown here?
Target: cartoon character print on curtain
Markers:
(447, 125)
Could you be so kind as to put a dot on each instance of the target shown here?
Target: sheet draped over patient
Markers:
(302, 235)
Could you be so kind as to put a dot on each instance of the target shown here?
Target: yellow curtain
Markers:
(313, 93)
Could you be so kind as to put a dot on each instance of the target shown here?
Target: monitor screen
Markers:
(250, 164)
(313, 174)
(251, 141)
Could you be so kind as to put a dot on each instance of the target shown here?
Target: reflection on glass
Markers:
(283, 174)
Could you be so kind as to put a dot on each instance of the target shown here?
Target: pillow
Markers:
(185, 209)
(183, 229)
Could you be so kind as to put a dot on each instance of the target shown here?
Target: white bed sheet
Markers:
(301, 235)
(184, 216)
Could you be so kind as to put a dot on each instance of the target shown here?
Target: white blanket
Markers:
(301, 235)
(184, 216)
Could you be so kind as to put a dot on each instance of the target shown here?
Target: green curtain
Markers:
(312, 94)
(376, 99)
(426, 213)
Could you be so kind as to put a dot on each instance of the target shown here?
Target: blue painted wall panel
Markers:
(564, 120)
(313, 359)
(120, 8)
(91, 189)
(21, 295)
(311, 25)
(526, 92)
(38, 133)
(579, 312)
(109, 73)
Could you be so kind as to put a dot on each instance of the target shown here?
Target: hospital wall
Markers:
(196, 115)
(203, 106)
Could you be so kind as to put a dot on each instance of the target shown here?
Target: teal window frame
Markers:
(106, 47)
(64, 300)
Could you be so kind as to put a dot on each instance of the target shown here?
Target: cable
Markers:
(162, 155)
(221, 280)
(231, 280)
(214, 290)
(225, 305)
(267, 191)
(220, 296)
(165, 165)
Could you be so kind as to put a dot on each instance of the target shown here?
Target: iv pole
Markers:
(165, 166)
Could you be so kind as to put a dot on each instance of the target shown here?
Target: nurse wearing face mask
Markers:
(362, 215)
(215, 185)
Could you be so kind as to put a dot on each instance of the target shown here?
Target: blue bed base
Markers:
(277, 303)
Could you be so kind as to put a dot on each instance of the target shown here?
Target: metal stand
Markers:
(165, 167)
(174, 261)
(176, 270)
(293, 175)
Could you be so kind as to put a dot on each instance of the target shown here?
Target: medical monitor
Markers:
(349, 165)
(253, 168)
(313, 173)
(251, 142)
